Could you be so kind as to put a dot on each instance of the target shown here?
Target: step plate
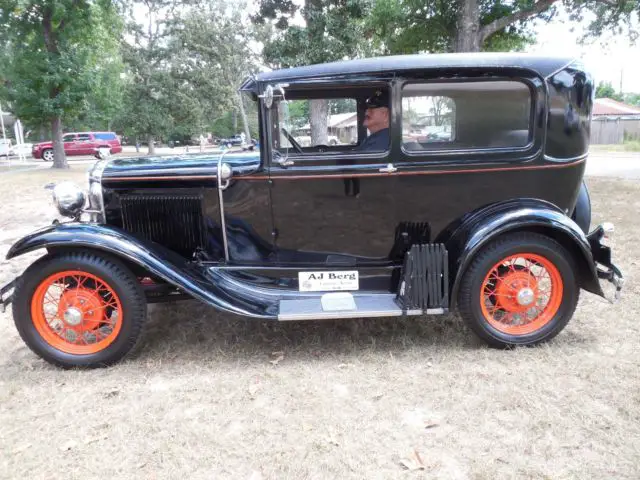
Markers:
(381, 305)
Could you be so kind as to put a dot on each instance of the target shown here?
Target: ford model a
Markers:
(384, 187)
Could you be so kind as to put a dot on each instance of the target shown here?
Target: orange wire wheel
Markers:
(521, 294)
(76, 312)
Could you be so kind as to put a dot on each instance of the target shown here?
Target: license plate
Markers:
(328, 281)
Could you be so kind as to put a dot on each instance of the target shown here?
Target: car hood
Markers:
(179, 167)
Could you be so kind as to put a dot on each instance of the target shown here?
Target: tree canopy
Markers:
(59, 50)
(156, 69)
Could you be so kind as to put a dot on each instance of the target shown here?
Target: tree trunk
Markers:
(468, 34)
(59, 158)
(245, 121)
(151, 145)
(319, 111)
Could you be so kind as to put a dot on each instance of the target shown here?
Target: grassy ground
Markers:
(628, 146)
(213, 396)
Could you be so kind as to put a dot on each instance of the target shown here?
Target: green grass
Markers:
(628, 146)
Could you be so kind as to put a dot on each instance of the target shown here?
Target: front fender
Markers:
(536, 216)
(162, 262)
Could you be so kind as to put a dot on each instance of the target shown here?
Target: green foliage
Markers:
(183, 68)
(632, 99)
(606, 90)
(333, 30)
(412, 26)
(54, 72)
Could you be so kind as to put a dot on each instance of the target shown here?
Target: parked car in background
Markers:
(234, 141)
(5, 147)
(81, 143)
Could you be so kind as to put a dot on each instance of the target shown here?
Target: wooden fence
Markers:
(613, 130)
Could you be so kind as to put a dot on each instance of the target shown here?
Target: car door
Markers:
(70, 144)
(84, 144)
(332, 204)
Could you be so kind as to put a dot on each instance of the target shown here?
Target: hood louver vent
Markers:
(174, 221)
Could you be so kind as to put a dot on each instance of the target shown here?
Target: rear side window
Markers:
(105, 136)
(465, 115)
(83, 137)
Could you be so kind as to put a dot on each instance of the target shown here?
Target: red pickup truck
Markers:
(84, 143)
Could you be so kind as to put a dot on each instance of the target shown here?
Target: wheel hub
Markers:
(516, 291)
(72, 316)
(525, 296)
(82, 308)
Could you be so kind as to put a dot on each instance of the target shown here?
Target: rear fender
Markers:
(529, 215)
(159, 261)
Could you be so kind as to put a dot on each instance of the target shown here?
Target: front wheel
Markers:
(47, 155)
(79, 309)
(520, 289)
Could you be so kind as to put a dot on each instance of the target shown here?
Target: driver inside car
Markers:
(376, 119)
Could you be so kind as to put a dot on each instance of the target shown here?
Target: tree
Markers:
(606, 90)
(409, 26)
(333, 30)
(55, 56)
(157, 100)
(215, 56)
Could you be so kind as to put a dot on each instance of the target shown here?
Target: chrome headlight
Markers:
(69, 199)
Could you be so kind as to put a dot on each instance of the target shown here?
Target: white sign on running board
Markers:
(328, 281)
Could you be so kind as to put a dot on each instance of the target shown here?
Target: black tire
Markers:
(45, 153)
(473, 284)
(110, 271)
(582, 211)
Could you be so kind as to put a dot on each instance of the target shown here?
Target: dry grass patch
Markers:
(214, 396)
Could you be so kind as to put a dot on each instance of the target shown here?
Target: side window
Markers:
(83, 137)
(105, 136)
(70, 137)
(320, 122)
(465, 115)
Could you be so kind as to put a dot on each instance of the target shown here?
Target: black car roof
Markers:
(543, 65)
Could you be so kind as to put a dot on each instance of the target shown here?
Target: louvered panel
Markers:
(174, 221)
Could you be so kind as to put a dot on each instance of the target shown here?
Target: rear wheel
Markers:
(47, 155)
(520, 289)
(79, 309)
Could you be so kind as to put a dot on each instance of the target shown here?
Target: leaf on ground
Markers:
(91, 440)
(331, 438)
(279, 356)
(413, 461)
(428, 425)
(141, 465)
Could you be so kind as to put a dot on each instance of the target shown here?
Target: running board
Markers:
(345, 305)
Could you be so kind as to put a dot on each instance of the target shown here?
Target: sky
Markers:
(609, 58)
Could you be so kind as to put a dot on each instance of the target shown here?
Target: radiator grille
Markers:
(174, 221)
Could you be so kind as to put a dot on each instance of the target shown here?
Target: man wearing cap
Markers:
(376, 119)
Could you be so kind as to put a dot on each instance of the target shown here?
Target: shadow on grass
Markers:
(187, 329)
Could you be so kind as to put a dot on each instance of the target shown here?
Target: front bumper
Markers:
(602, 257)
(6, 294)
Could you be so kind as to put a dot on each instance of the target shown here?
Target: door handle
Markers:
(388, 169)
(285, 162)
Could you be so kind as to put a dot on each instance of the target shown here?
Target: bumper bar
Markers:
(602, 257)
(6, 294)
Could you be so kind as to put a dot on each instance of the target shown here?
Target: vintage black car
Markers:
(468, 194)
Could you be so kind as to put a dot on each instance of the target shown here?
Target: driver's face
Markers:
(376, 119)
